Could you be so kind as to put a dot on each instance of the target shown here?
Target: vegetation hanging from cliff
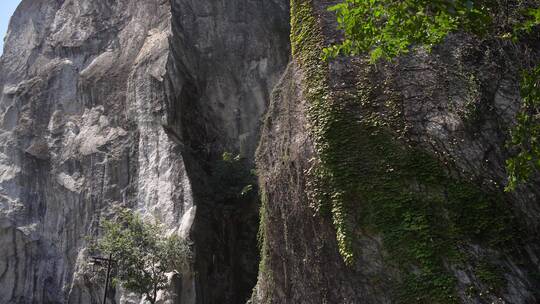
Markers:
(526, 133)
(326, 118)
(388, 28)
(525, 136)
(366, 180)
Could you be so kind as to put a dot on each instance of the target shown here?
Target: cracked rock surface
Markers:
(133, 103)
(125, 103)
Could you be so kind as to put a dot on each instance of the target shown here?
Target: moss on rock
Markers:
(370, 181)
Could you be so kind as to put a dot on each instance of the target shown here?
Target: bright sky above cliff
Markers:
(7, 7)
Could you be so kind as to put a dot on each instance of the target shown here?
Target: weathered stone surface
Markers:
(300, 261)
(132, 103)
(127, 103)
(457, 102)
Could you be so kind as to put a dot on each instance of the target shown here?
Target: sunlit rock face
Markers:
(128, 103)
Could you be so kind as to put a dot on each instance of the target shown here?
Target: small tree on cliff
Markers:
(144, 255)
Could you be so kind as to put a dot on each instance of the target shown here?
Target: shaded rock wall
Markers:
(132, 103)
(417, 148)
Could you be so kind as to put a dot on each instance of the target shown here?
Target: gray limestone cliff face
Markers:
(129, 103)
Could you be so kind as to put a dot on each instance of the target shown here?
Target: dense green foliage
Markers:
(526, 134)
(143, 254)
(387, 28)
(531, 20)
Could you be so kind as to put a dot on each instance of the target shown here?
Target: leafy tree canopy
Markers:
(388, 28)
(143, 254)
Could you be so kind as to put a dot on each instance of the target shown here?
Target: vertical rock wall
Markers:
(123, 103)
(400, 167)
(132, 103)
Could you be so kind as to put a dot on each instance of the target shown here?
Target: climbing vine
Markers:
(365, 180)
(387, 28)
(332, 175)
(525, 136)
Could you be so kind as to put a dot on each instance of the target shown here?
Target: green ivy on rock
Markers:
(386, 29)
(526, 134)
(368, 181)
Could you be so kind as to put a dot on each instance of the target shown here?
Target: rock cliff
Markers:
(130, 103)
(378, 183)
